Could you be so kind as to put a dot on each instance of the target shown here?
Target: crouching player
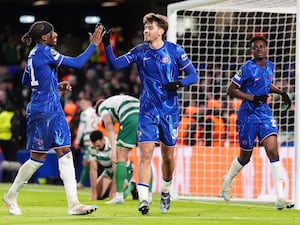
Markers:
(103, 186)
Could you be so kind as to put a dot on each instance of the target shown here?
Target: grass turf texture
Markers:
(46, 204)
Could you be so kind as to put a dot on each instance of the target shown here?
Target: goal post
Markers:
(215, 34)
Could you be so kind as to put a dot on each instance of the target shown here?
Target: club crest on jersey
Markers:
(165, 60)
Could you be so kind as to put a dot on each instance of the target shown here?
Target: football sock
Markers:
(235, 168)
(143, 190)
(166, 185)
(129, 188)
(24, 174)
(67, 174)
(84, 174)
(120, 175)
(276, 172)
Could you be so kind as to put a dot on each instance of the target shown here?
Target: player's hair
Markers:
(161, 20)
(96, 135)
(36, 31)
(258, 38)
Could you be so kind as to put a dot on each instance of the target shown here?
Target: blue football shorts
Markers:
(47, 131)
(249, 131)
(155, 128)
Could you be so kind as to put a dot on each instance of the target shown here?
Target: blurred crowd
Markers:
(208, 114)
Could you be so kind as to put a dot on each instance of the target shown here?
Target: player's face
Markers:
(52, 38)
(259, 50)
(152, 32)
(99, 145)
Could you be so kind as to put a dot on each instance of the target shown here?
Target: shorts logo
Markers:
(174, 134)
(165, 60)
(39, 142)
(139, 133)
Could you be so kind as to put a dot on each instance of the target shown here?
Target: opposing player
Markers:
(159, 64)
(122, 109)
(88, 121)
(99, 155)
(253, 83)
(47, 127)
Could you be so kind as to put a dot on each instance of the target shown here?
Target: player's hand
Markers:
(98, 34)
(287, 101)
(260, 99)
(64, 86)
(106, 37)
(173, 86)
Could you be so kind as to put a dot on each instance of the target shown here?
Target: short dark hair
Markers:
(96, 135)
(258, 38)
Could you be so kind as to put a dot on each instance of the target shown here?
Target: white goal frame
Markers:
(172, 36)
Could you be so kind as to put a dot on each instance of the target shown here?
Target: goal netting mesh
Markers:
(215, 35)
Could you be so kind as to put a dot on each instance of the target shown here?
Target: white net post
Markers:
(215, 35)
(297, 125)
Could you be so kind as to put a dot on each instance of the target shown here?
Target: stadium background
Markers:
(199, 168)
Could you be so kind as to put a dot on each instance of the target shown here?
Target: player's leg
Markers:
(66, 168)
(271, 146)
(24, 174)
(120, 174)
(168, 163)
(103, 185)
(144, 175)
(36, 130)
(247, 131)
(169, 125)
(67, 174)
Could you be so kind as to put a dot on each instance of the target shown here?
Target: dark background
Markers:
(67, 16)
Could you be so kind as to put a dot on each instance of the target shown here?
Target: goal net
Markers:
(215, 34)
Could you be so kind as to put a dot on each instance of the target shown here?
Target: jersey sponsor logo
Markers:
(146, 58)
(165, 59)
(54, 53)
(184, 57)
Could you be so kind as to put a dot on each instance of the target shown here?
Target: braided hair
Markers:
(36, 31)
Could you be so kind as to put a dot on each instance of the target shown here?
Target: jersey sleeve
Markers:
(186, 65)
(113, 62)
(26, 77)
(53, 57)
(241, 76)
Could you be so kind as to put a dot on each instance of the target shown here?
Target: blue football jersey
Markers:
(254, 80)
(157, 68)
(41, 76)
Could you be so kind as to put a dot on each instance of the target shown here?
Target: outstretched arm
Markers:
(113, 62)
(79, 61)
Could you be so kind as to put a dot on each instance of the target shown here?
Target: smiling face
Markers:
(50, 38)
(152, 32)
(259, 50)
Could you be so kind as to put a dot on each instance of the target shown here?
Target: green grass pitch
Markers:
(46, 204)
